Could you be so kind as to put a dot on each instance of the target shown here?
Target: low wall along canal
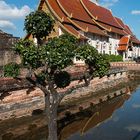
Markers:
(25, 101)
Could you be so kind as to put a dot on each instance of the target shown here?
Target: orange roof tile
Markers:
(124, 40)
(74, 9)
(113, 29)
(100, 13)
(123, 44)
(128, 30)
(56, 10)
(120, 22)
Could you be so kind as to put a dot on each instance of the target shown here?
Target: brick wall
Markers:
(6, 53)
(24, 101)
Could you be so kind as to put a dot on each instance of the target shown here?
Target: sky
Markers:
(13, 13)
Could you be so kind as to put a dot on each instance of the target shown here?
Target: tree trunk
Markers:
(51, 112)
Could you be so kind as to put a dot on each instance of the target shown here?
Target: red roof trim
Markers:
(70, 29)
(89, 27)
(56, 10)
(113, 29)
(120, 22)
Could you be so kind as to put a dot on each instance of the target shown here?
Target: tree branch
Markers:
(70, 90)
(41, 69)
(35, 83)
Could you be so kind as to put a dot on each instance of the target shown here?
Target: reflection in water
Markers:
(105, 121)
(94, 116)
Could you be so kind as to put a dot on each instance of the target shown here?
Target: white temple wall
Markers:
(113, 45)
(105, 45)
(136, 51)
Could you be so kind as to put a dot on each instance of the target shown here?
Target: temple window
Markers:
(97, 47)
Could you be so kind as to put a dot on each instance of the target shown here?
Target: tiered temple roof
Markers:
(78, 16)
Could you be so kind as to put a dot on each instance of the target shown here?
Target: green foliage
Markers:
(41, 77)
(59, 51)
(31, 55)
(11, 70)
(87, 53)
(98, 64)
(101, 66)
(57, 54)
(114, 58)
(39, 24)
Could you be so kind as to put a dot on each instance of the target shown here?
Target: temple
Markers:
(92, 23)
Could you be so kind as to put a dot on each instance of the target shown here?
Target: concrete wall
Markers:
(128, 65)
(7, 56)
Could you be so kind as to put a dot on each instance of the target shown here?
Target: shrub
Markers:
(114, 58)
(11, 70)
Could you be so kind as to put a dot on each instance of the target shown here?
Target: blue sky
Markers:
(13, 12)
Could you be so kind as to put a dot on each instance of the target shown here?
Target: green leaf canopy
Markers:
(39, 24)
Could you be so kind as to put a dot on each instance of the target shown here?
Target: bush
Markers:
(114, 58)
(11, 70)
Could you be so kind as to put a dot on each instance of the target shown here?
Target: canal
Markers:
(118, 118)
(122, 124)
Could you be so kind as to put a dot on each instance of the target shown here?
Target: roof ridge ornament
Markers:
(62, 19)
(96, 18)
(71, 15)
(87, 29)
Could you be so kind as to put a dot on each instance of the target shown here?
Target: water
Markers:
(124, 124)
(116, 119)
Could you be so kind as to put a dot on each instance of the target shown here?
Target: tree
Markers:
(47, 64)
(39, 24)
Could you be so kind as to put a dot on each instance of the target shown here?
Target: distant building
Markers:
(92, 23)
(6, 53)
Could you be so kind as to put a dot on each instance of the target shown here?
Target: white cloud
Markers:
(136, 105)
(12, 12)
(115, 118)
(5, 24)
(135, 12)
(134, 127)
(108, 3)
